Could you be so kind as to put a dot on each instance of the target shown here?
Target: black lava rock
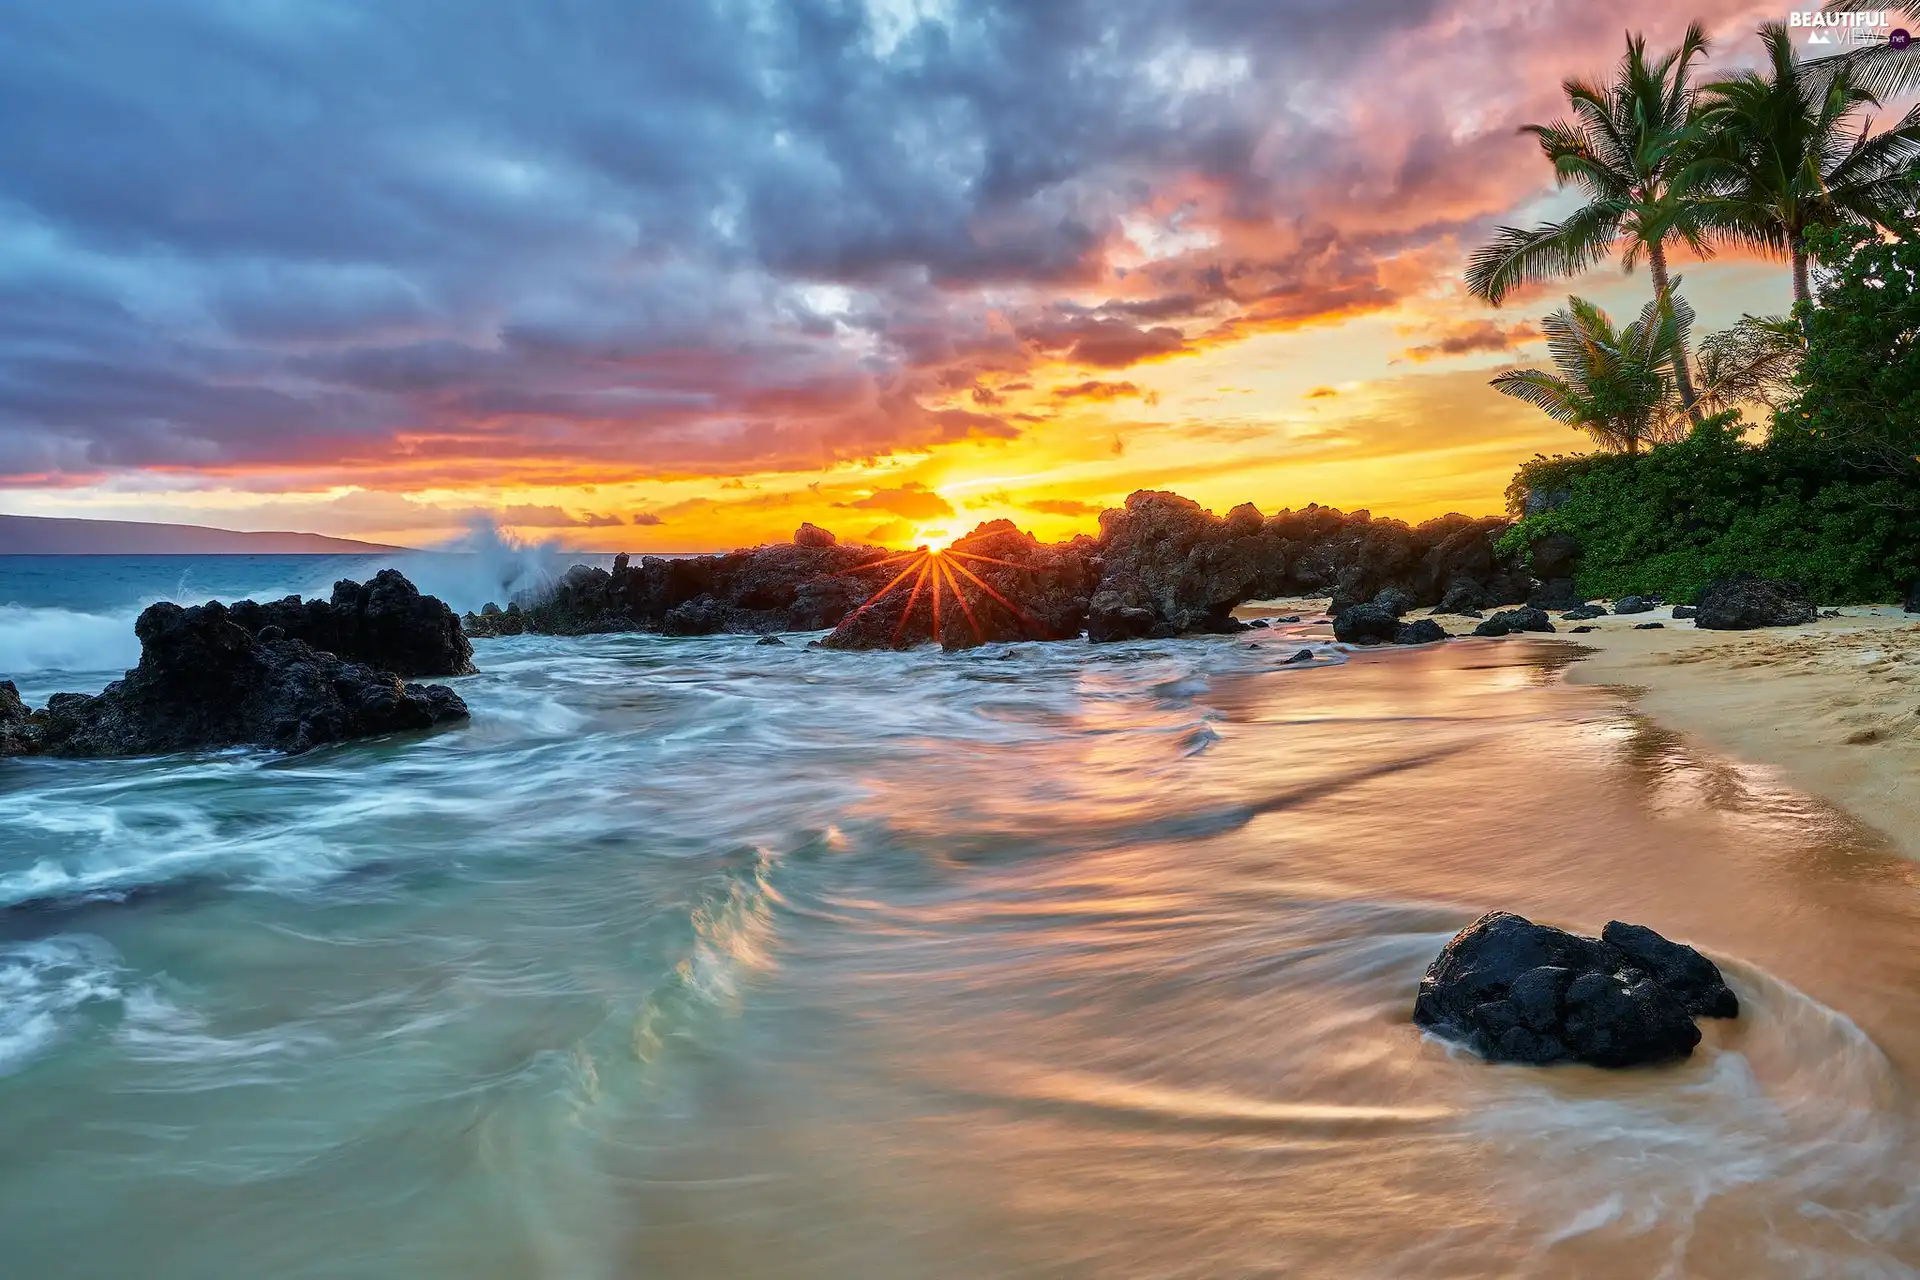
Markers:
(1509, 621)
(1678, 968)
(1366, 624)
(1259, 624)
(764, 640)
(1555, 593)
(1515, 991)
(1584, 612)
(384, 623)
(1633, 604)
(1684, 611)
(1305, 655)
(1649, 626)
(1419, 631)
(1744, 602)
(18, 732)
(206, 682)
(1582, 630)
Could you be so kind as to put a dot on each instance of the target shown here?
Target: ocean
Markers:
(701, 958)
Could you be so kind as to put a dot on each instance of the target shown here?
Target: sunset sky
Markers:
(680, 274)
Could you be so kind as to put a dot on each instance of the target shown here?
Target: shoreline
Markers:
(1833, 707)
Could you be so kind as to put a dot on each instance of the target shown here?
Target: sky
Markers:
(680, 274)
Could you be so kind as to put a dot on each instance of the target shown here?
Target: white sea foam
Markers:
(43, 987)
(47, 639)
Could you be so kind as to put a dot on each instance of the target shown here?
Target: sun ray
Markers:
(961, 596)
(1018, 612)
(878, 564)
(936, 602)
(968, 555)
(919, 585)
(877, 596)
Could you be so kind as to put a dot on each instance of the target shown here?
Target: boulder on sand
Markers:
(1419, 631)
(1633, 604)
(205, 682)
(1744, 602)
(1509, 621)
(1366, 624)
(1515, 991)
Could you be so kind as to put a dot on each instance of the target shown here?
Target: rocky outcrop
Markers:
(18, 732)
(1161, 566)
(206, 682)
(809, 584)
(1744, 602)
(1516, 991)
(384, 623)
(996, 584)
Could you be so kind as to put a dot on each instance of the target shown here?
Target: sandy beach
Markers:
(1835, 706)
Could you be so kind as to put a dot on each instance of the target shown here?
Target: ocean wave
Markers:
(44, 987)
(36, 640)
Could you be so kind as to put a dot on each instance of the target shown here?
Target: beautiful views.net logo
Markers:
(1869, 26)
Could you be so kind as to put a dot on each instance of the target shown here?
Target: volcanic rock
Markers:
(1584, 612)
(812, 535)
(995, 584)
(1419, 631)
(1683, 611)
(206, 682)
(383, 623)
(1633, 604)
(1744, 602)
(18, 733)
(1367, 624)
(1516, 991)
(1649, 626)
(1511, 620)
(1555, 593)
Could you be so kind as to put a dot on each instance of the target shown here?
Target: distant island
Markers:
(51, 536)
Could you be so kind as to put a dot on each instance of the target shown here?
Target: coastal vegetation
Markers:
(1822, 486)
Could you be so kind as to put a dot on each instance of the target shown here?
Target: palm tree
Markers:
(1753, 363)
(1616, 385)
(1880, 67)
(1629, 150)
(1788, 150)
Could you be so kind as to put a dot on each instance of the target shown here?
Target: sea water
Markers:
(700, 958)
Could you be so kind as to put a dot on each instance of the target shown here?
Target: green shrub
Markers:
(1859, 383)
(1711, 505)
(1831, 499)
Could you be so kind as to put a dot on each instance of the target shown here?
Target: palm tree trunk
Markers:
(1801, 292)
(1682, 373)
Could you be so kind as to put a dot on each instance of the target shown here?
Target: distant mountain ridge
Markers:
(59, 536)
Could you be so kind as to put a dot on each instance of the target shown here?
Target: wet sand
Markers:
(1834, 707)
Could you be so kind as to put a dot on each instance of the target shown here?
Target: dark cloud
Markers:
(440, 239)
(1094, 389)
(1469, 337)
